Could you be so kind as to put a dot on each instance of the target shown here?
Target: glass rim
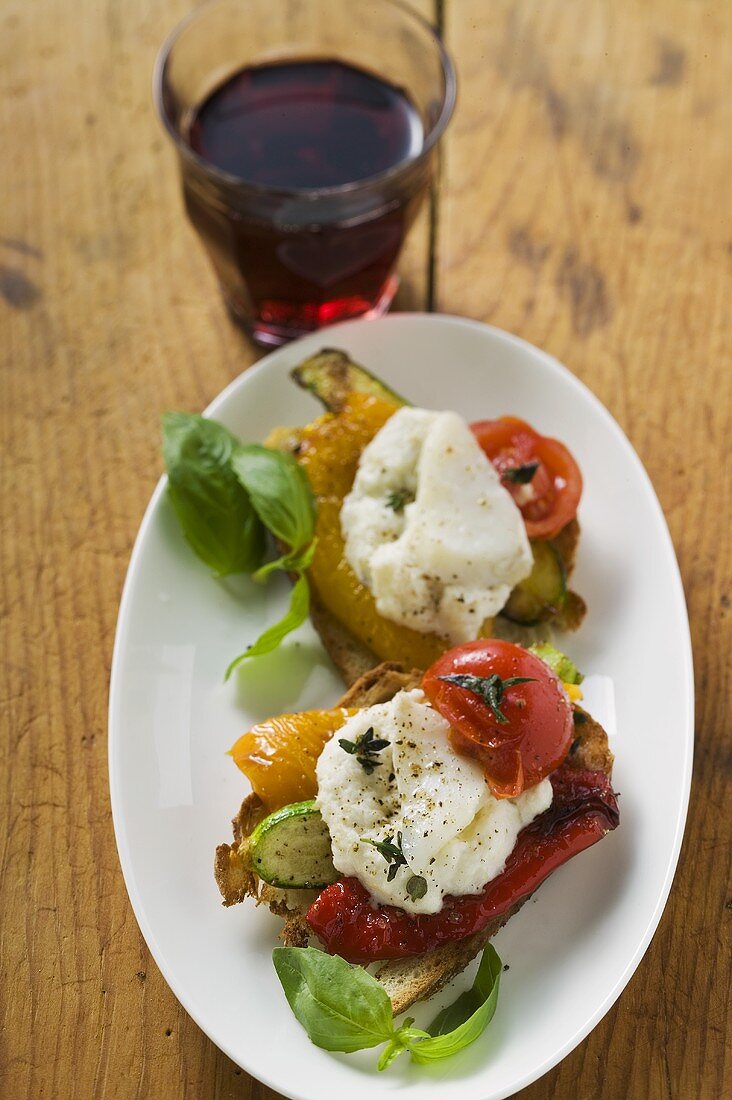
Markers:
(307, 193)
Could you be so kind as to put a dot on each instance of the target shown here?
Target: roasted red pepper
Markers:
(344, 918)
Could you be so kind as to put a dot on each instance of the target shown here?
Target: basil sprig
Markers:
(227, 497)
(342, 1007)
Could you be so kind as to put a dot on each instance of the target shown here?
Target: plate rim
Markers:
(123, 852)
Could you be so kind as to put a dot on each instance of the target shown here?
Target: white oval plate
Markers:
(572, 950)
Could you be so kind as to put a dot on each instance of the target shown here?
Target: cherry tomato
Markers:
(519, 732)
(549, 500)
(345, 919)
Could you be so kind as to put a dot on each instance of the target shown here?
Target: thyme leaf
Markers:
(391, 852)
(490, 689)
(399, 498)
(521, 475)
(417, 887)
(365, 749)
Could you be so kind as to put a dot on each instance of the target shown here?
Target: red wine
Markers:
(305, 124)
(293, 262)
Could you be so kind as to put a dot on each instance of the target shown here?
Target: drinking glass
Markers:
(290, 260)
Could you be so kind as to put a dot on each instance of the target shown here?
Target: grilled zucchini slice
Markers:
(291, 849)
(331, 376)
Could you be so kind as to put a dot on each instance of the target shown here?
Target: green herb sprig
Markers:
(342, 1007)
(490, 689)
(521, 475)
(391, 852)
(227, 497)
(365, 748)
(399, 498)
(394, 856)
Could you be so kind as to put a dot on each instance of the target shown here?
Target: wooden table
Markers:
(584, 203)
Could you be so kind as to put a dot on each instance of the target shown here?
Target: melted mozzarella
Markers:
(454, 833)
(448, 560)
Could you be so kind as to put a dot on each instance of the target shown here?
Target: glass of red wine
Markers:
(305, 133)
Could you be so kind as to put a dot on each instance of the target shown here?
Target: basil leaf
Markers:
(295, 615)
(464, 1021)
(340, 1006)
(279, 491)
(558, 662)
(212, 507)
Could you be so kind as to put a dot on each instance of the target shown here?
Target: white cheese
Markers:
(447, 560)
(454, 833)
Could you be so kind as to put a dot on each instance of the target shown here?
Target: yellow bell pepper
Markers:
(329, 451)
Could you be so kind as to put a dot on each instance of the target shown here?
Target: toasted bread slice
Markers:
(405, 980)
(351, 657)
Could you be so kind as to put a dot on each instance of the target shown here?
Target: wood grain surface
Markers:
(584, 203)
